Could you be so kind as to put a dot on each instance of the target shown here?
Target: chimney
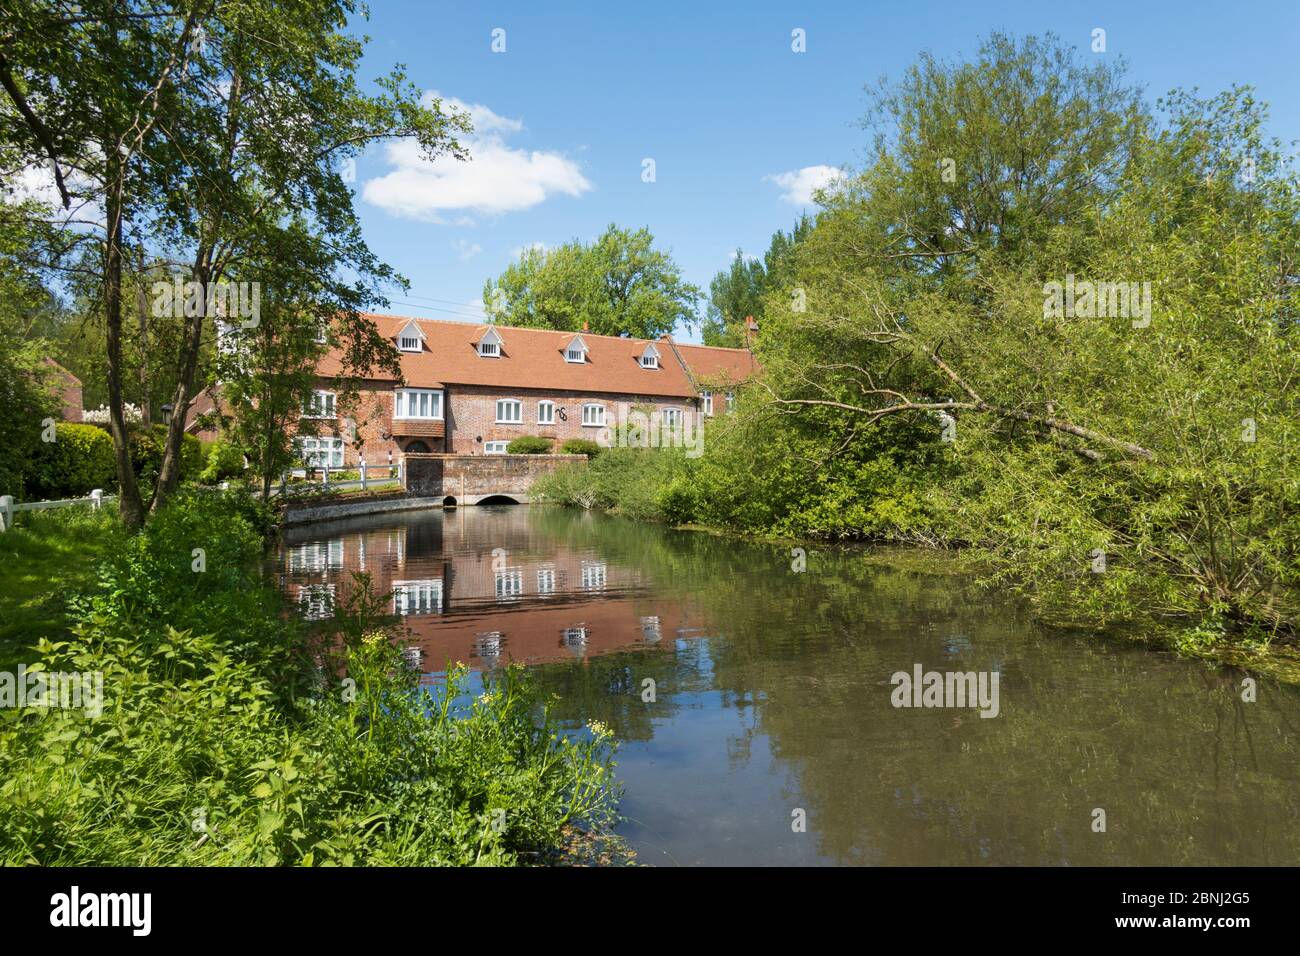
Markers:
(751, 330)
(586, 326)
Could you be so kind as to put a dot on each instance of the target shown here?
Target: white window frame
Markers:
(576, 351)
(595, 574)
(731, 401)
(519, 408)
(322, 333)
(310, 406)
(549, 418)
(320, 444)
(593, 406)
(649, 361)
(316, 602)
(316, 556)
(509, 584)
(672, 417)
(488, 449)
(400, 412)
(408, 344)
(546, 580)
(417, 597)
(489, 344)
(706, 402)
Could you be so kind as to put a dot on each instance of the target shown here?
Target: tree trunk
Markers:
(142, 315)
(128, 500)
(170, 471)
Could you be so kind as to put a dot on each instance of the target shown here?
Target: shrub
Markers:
(530, 445)
(580, 446)
(79, 460)
(224, 460)
(147, 446)
(213, 713)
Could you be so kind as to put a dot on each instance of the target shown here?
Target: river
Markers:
(754, 696)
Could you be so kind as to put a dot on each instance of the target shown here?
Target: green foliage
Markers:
(224, 741)
(645, 483)
(27, 403)
(146, 446)
(47, 558)
(79, 460)
(530, 445)
(740, 290)
(926, 389)
(224, 460)
(580, 446)
(618, 285)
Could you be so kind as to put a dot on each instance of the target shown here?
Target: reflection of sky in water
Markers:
(771, 694)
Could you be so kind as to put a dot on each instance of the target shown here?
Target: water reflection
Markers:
(745, 694)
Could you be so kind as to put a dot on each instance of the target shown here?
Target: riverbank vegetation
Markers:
(1049, 322)
(230, 734)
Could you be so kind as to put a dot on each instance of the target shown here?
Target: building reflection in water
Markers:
(480, 586)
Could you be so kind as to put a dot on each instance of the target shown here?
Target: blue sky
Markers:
(714, 94)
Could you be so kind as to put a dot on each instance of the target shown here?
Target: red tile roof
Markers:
(534, 358)
(717, 366)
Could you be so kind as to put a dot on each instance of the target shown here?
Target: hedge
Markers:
(580, 446)
(79, 460)
(530, 445)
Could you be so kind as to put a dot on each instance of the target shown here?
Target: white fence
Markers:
(9, 507)
(370, 475)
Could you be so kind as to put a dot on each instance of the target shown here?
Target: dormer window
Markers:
(576, 351)
(410, 339)
(650, 357)
(489, 346)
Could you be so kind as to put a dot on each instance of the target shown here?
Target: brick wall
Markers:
(463, 475)
(472, 420)
(469, 419)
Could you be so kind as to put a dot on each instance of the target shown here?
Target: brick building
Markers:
(68, 389)
(468, 389)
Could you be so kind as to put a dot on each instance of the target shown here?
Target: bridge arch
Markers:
(498, 499)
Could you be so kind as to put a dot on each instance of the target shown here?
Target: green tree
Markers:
(737, 292)
(196, 127)
(620, 284)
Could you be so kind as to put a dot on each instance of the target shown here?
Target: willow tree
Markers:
(1124, 455)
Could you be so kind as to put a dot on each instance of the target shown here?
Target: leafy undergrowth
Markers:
(225, 737)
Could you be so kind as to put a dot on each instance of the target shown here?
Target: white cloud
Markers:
(496, 179)
(798, 185)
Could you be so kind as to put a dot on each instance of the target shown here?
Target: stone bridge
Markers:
(479, 479)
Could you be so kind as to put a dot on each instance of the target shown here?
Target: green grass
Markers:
(47, 557)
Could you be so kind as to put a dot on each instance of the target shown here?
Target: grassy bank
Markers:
(227, 734)
(52, 556)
